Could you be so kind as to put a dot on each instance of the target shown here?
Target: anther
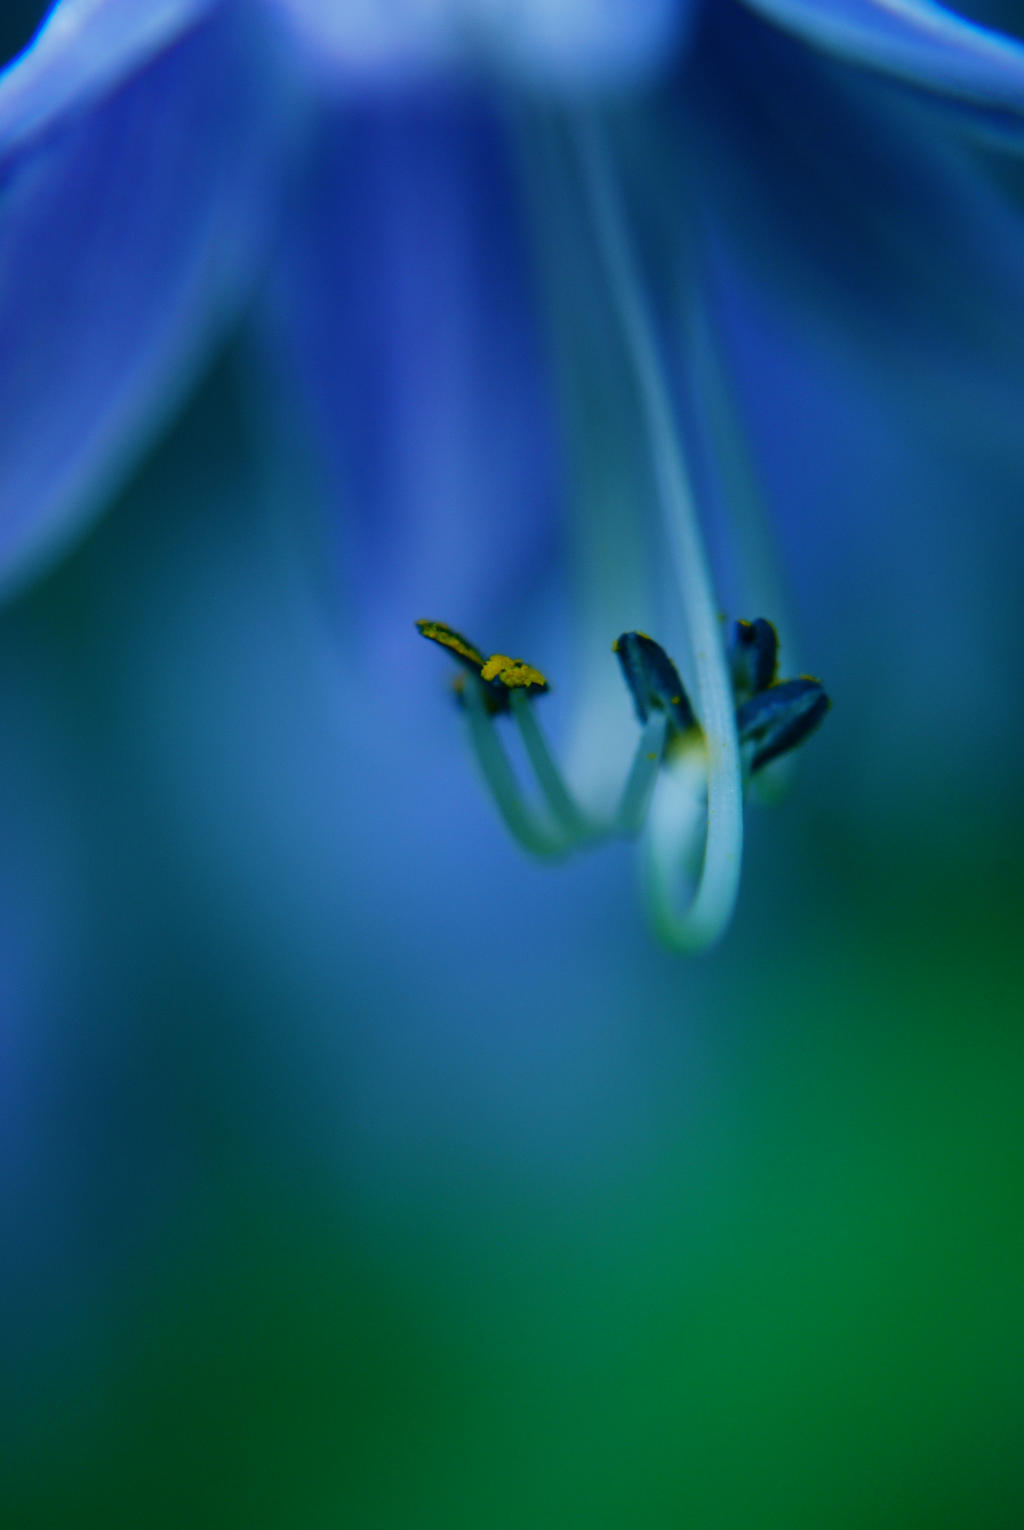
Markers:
(653, 681)
(753, 657)
(781, 717)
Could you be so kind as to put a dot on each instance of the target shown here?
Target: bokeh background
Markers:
(357, 1171)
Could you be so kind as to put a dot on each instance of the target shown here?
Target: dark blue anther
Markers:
(653, 681)
(778, 719)
(753, 657)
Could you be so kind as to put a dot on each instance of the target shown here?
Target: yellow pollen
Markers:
(438, 632)
(516, 674)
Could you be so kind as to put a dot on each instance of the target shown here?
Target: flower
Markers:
(168, 167)
(340, 1140)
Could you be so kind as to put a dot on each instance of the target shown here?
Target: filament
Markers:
(520, 819)
(636, 795)
(704, 918)
(575, 824)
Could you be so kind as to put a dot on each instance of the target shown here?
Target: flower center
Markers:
(685, 786)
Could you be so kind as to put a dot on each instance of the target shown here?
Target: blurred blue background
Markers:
(358, 1171)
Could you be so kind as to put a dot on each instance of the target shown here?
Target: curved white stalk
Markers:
(636, 795)
(571, 828)
(520, 819)
(704, 919)
(610, 586)
(577, 826)
(759, 571)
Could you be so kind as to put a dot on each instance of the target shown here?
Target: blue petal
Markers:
(408, 329)
(128, 234)
(916, 41)
(900, 539)
(868, 287)
(83, 50)
(845, 198)
(897, 520)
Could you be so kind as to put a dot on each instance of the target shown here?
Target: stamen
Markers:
(653, 681)
(609, 552)
(774, 719)
(522, 822)
(781, 717)
(673, 833)
(494, 686)
(501, 675)
(577, 826)
(704, 919)
(636, 795)
(753, 657)
(458, 646)
(514, 674)
(719, 418)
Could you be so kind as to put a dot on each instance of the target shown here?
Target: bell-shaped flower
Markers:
(453, 222)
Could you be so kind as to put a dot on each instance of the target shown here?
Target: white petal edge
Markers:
(917, 41)
(83, 50)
